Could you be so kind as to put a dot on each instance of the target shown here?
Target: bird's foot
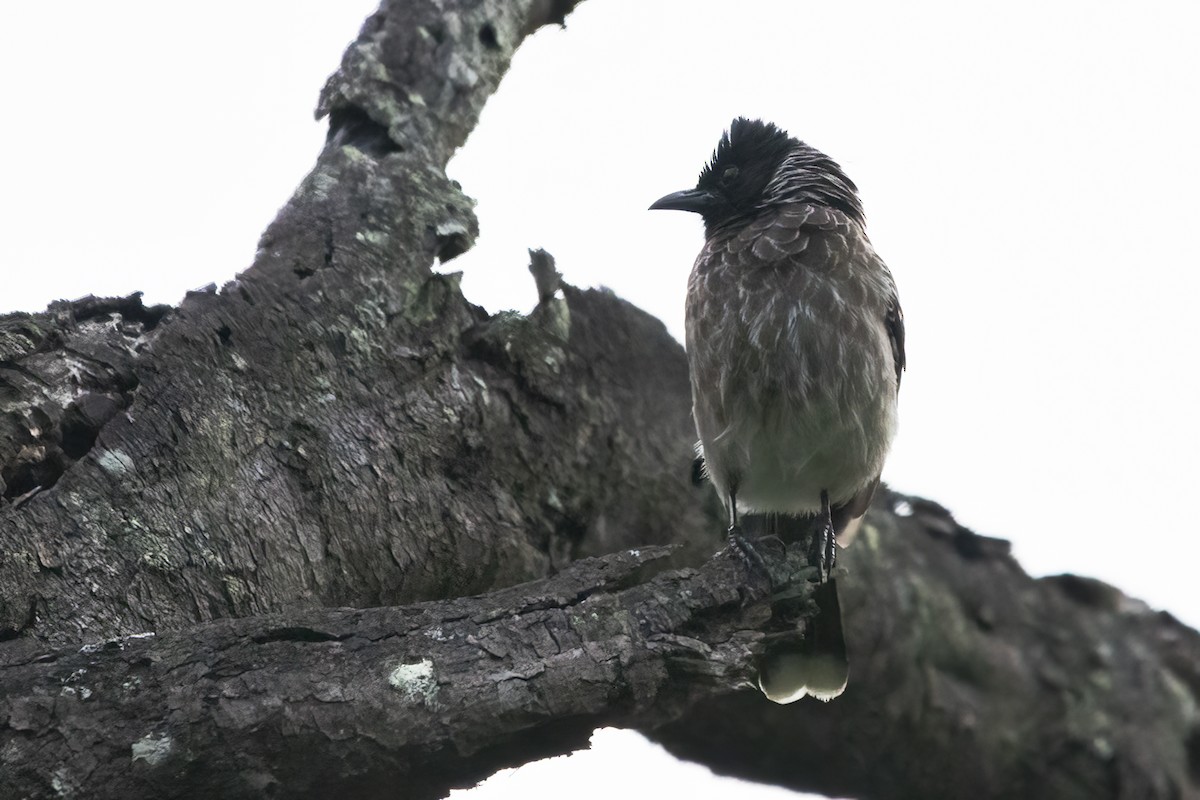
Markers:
(830, 550)
(823, 551)
(739, 544)
(755, 563)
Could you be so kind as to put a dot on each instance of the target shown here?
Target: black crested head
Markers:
(756, 166)
(745, 160)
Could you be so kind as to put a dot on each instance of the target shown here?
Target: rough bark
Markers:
(340, 427)
(385, 702)
(971, 679)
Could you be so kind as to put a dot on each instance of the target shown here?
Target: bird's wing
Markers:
(894, 322)
(845, 516)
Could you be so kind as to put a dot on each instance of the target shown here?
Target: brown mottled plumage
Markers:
(795, 336)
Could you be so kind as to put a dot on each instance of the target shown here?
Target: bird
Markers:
(795, 347)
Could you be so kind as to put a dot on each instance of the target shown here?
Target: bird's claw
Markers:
(747, 552)
(823, 552)
(739, 544)
(830, 551)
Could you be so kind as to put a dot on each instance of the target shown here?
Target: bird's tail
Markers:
(816, 664)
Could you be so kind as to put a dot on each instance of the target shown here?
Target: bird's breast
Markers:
(793, 383)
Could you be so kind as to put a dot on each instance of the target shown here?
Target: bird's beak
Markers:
(696, 200)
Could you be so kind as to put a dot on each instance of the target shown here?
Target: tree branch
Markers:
(340, 427)
(971, 679)
(364, 702)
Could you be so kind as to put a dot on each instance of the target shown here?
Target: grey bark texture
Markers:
(386, 543)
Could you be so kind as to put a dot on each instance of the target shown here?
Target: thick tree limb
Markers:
(970, 679)
(378, 702)
(339, 427)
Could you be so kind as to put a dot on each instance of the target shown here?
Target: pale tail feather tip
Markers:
(787, 677)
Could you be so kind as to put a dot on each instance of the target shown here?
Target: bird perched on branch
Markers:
(795, 343)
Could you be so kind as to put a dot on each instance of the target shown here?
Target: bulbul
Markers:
(795, 344)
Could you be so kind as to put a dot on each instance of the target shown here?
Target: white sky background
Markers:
(1030, 172)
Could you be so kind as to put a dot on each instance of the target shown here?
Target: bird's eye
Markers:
(729, 174)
